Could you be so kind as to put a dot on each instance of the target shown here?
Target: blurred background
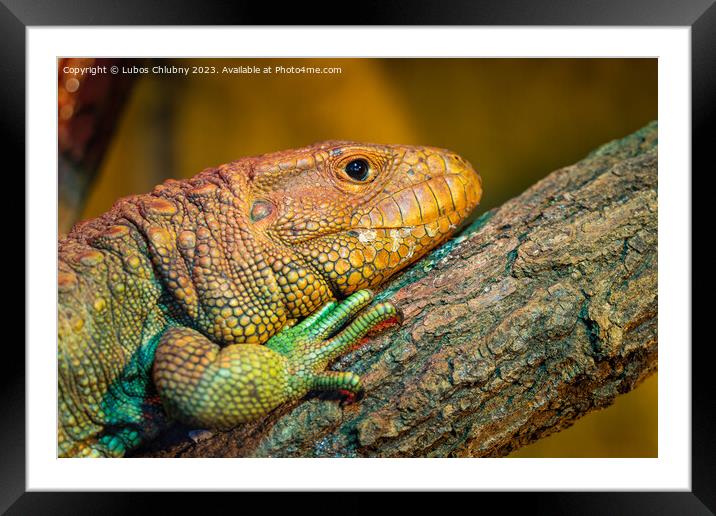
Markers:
(515, 120)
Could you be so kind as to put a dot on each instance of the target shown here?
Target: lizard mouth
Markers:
(448, 195)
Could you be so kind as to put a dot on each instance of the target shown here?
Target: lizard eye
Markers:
(358, 169)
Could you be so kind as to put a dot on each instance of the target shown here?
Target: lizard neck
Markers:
(222, 274)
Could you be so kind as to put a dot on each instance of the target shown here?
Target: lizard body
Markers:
(165, 300)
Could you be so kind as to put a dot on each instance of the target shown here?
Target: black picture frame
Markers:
(17, 15)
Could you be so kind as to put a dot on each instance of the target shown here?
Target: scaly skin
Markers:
(165, 300)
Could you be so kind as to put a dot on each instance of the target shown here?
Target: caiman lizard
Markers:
(213, 300)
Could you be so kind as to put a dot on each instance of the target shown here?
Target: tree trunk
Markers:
(541, 311)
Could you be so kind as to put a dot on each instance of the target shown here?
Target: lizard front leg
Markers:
(203, 384)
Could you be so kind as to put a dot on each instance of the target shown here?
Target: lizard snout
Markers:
(470, 179)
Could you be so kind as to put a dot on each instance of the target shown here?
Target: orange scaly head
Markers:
(357, 213)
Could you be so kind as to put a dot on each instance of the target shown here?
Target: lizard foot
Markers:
(205, 385)
(322, 337)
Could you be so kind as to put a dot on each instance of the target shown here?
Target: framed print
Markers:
(361, 258)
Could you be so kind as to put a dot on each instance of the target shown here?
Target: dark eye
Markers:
(358, 169)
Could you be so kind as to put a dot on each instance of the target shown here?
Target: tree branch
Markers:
(88, 110)
(543, 310)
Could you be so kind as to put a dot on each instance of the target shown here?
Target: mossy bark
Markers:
(540, 312)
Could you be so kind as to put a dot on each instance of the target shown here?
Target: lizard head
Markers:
(358, 213)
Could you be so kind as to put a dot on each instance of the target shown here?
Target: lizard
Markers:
(215, 299)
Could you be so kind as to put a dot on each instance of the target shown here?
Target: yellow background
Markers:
(515, 120)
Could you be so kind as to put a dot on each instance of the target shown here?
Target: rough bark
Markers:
(543, 310)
